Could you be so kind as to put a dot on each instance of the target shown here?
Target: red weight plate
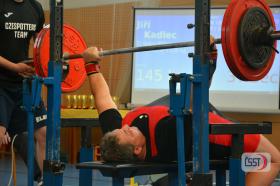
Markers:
(36, 58)
(73, 43)
(225, 29)
(232, 19)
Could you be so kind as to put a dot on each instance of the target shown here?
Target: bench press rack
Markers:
(53, 167)
(120, 171)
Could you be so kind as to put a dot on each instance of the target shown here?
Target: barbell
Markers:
(248, 42)
(139, 49)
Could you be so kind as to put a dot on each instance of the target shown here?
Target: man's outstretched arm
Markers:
(98, 85)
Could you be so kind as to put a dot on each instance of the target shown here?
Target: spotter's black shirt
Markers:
(19, 22)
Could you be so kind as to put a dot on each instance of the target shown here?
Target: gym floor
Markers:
(70, 178)
(71, 175)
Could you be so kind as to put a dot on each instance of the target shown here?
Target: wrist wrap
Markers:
(92, 67)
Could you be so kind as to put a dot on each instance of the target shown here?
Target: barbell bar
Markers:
(274, 36)
(68, 56)
(139, 49)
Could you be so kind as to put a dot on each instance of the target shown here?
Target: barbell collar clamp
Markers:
(190, 26)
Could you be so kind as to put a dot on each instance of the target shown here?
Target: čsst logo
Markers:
(255, 162)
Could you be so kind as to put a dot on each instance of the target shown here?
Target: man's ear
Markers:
(137, 149)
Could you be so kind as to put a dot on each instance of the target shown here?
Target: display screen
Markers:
(151, 69)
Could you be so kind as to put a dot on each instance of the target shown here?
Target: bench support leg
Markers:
(172, 178)
(85, 175)
(236, 175)
(220, 177)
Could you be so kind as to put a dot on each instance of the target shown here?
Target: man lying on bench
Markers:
(149, 133)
